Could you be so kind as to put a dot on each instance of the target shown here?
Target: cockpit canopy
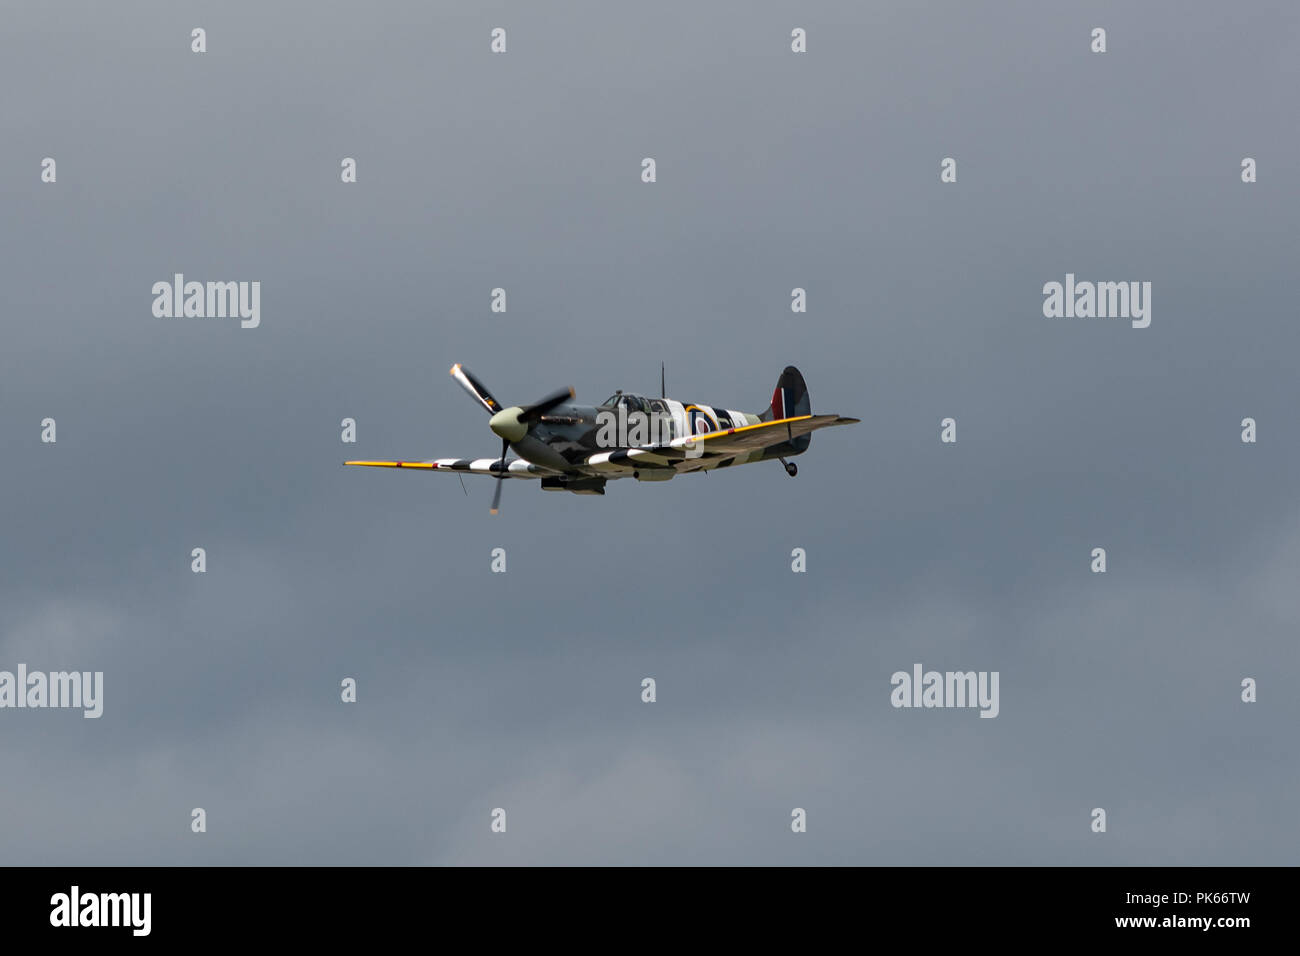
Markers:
(633, 403)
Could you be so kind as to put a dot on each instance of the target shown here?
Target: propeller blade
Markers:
(501, 477)
(534, 412)
(476, 389)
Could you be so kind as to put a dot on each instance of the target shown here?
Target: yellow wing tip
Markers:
(394, 464)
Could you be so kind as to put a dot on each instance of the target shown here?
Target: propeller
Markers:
(511, 424)
(533, 412)
(475, 388)
(501, 477)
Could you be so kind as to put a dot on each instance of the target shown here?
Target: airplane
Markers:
(578, 448)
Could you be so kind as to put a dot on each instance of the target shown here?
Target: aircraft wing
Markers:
(515, 467)
(726, 442)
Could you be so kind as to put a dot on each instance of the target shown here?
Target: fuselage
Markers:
(568, 434)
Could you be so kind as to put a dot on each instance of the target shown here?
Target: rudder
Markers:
(790, 398)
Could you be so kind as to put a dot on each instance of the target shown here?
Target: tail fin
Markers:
(790, 397)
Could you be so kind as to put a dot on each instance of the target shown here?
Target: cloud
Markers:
(522, 690)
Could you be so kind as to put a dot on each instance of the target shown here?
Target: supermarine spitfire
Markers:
(577, 448)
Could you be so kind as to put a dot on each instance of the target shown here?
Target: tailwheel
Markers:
(791, 468)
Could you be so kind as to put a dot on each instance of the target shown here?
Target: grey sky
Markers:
(522, 691)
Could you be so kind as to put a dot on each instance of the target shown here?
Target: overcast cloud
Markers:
(478, 690)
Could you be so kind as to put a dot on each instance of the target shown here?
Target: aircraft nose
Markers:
(506, 424)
